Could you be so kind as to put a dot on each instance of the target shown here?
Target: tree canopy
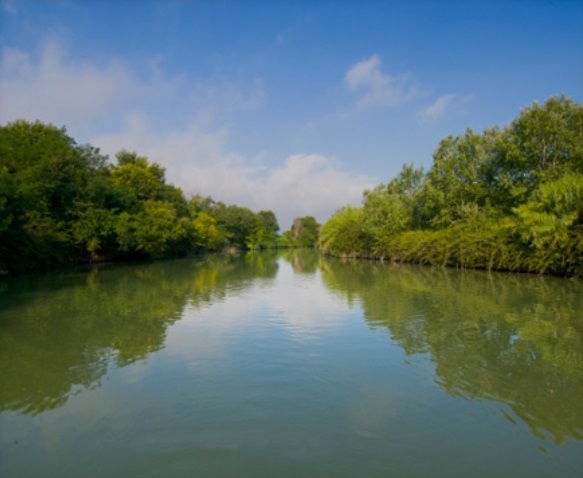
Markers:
(303, 233)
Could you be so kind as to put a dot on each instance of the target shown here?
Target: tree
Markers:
(155, 231)
(94, 231)
(541, 144)
(237, 224)
(390, 209)
(140, 179)
(269, 222)
(343, 234)
(384, 214)
(457, 177)
(43, 175)
(206, 233)
(305, 230)
(552, 224)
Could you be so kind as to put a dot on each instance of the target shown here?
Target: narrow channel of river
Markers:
(288, 364)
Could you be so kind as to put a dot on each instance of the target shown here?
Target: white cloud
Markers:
(378, 88)
(57, 90)
(437, 109)
(442, 106)
(90, 96)
(367, 72)
(311, 184)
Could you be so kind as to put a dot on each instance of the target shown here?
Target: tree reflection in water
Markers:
(513, 339)
(60, 333)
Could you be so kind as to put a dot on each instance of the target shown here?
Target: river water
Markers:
(288, 364)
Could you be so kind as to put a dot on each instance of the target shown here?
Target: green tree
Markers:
(541, 144)
(457, 178)
(343, 234)
(206, 233)
(140, 179)
(390, 209)
(236, 224)
(305, 231)
(155, 231)
(43, 175)
(270, 224)
(384, 215)
(552, 224)
(94, 230)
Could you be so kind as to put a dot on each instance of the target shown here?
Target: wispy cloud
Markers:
(437, 109)
(443, 105)
(378, 88)
(55, 89)
(287, 35)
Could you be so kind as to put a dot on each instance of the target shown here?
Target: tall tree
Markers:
(43, 174)
(305, 231)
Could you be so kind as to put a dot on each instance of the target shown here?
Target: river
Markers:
(289, 364)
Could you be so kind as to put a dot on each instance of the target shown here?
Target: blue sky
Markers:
(291, 106)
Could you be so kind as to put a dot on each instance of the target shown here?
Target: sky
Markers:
(291, 106)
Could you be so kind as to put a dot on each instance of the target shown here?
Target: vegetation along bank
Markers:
(62, 204)
(507, 198)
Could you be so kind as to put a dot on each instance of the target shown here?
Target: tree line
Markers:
(507, 198)
(62, 203)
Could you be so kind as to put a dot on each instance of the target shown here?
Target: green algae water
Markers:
(290, 365)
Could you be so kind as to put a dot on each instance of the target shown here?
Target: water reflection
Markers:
(303, 261)
(513, 339)
(510, 339)
(60, 333)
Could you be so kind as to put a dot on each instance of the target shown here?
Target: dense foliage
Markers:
(62, 203)
(507, 198)
(303, 233)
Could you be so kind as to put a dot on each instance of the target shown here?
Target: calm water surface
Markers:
(290, 365)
